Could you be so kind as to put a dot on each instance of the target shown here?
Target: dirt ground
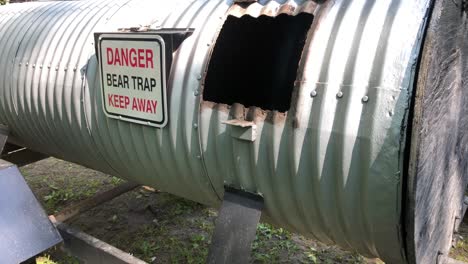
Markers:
(161, 228)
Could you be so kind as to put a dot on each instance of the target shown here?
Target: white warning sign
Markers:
(133, 77)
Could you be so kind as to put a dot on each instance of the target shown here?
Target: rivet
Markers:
(74, 69)
(56, 68)
(208, 44)
(196, 93)
(27, 63)
(365, 99)
(313, 93)
(48, 66)
(20, 64)
(40, 67)
(65, 69)
(339, 94)
(199, 77)
(195, 126)
(34, 65)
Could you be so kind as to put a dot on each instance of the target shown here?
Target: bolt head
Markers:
(339, 94)
(313, 93)
(365, 99)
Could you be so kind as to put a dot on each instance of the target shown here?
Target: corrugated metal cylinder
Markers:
(330, 167)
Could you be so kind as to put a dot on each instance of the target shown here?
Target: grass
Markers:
(460, 251)
(44, 260)
(159, 227)
(58, 197)
(56, 256)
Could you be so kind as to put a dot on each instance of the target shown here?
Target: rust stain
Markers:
(255, 9)
(253, 113)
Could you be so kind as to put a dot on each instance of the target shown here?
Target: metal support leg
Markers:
(235, 228)
(25, 229)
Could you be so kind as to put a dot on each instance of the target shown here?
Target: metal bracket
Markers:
(236, 227)
(243, 130)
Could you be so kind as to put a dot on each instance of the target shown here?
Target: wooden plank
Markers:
(100, 198)
(92, 250)
(438, 159)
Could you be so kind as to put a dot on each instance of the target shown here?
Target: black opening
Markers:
(255, 61)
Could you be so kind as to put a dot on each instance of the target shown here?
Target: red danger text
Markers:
(130, 57)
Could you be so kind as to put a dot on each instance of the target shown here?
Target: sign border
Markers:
(137, 37)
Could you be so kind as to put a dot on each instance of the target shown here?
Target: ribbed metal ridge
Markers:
(50, 90)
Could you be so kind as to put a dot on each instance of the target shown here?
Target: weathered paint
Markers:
(329, 168)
